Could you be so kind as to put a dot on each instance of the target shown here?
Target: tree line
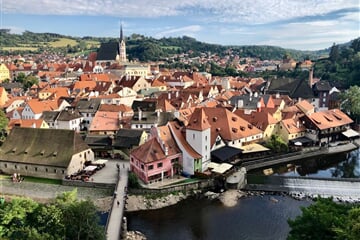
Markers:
(65, 218)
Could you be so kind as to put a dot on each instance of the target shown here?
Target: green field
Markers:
(63, 42)
(19, 48)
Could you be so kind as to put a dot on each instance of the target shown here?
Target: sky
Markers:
(295, 24)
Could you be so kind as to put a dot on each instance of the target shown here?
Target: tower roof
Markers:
(121, 33)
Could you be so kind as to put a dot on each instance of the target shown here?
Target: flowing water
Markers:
(255, 217)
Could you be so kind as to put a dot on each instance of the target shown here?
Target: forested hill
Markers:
(140, 47)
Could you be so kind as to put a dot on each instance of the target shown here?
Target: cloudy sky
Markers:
(297, 24)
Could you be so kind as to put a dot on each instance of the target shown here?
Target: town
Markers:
(66, 118)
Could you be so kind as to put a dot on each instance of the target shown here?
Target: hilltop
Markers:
(140, 47)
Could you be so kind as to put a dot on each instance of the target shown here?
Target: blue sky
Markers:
(297, 24)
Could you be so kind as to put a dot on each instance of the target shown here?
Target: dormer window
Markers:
(42, 152)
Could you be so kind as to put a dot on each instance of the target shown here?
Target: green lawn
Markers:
(19, 48)
(42, 180)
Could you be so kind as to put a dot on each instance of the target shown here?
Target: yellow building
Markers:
(3, 96)
(4, 72)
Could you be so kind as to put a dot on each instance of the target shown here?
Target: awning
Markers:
(350, 133)
(90, 168)
(219, 168)
(225, 153)
(100, 161)
(254, 147)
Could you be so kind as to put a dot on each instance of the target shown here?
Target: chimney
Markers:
(311, 76)
(297, 124)
(258, 106)
(169, 95)
(166, 151)
(140, 114)
(177, 94)
(240, 103)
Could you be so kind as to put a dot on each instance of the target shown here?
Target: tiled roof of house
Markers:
(127, 138)
(329, 119)
(39, 146)
(293, 125)
(295, 88)
(108, 51)
(68, 115)
(228, 125)
(322, 86)
(198, 120)
(41, 106)
(167, 140)
(105, 121)
(305, 107)
(179, 134)
(149, 152)
(261, 120)
(50, 116)
(114, 108)
(25, 123)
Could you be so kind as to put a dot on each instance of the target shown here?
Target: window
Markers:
(142, 166)
(150, 167)
(159, 165)
(206, 138)
(55, 170)
(15, 166)
(193, 136)
(26, 167)
(35, 169)
(5, 165)
(46, 170)
(63, 171)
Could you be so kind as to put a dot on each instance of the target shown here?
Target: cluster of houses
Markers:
(169, 122)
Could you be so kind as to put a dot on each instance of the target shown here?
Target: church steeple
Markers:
(121, 33)
(122, 47)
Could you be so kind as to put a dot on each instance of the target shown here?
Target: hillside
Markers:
(140, 47)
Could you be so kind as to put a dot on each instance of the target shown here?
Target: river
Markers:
(254, 217)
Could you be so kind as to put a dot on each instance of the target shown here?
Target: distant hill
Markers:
(140, 47)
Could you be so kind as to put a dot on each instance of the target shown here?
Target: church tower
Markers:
(122, 47)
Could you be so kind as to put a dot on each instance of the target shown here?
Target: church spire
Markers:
(122, 47)
(121, 33)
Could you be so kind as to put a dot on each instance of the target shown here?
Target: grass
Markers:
(19, 48)
(33, 179)
(42, 180)
(63, 42)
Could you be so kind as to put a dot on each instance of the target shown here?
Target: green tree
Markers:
(350, 102)
(334, 53)
(320, 221)
(276, 144)
(133, 180)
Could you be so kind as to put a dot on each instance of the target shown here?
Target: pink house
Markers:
(156, 159)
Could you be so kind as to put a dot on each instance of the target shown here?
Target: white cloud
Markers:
(188, 30)
(242, 11)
